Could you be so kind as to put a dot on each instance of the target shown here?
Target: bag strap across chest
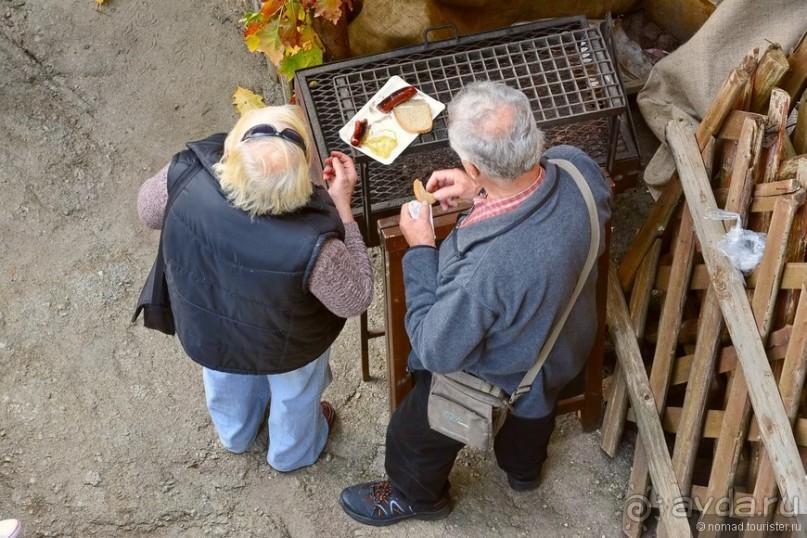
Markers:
(591, 258)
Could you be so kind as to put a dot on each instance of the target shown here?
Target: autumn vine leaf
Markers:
(267, 40)
(284, 31)
(245, 100)
(328, 9)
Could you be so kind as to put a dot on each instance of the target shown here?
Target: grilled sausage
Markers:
(396, 98)
(359, 132)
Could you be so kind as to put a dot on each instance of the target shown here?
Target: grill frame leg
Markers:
(364, 335)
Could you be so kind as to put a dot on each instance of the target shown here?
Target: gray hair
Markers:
(491, 125)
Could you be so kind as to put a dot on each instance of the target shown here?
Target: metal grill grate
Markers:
(564, 67)
(564, 75)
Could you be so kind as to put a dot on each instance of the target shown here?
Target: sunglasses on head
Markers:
(264, 129)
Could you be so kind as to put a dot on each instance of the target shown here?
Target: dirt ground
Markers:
(103, 428)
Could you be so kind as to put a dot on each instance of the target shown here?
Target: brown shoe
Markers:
(329, 412)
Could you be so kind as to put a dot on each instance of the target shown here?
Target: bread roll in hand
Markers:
(422, 194)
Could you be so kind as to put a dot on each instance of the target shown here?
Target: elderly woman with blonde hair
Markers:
(263, 265)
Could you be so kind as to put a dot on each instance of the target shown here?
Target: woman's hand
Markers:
(450, 185)
(417, 231)
(340, 176)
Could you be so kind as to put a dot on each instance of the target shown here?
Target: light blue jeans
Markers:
(297, 427)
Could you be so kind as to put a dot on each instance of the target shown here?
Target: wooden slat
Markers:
(733, 124)
(710, 323)
(766, 204)
(653, 226)
(799, 432)
(688, 333)
(721, 178)
(713, 420)
(761, 204)
(792, 277)
(731, 505)
(669, 325)
(659, 215)
(739, 318)
(726, 99)
(737, 505)
(796, 251)
(790, 385)
(777, 127)
(775, 136)
(613, 424)
(614, 420)
(643, 290)
(738, 406)
(746, 163)
(740, 163)
(788, 307)
(700, 378)
(770, 70)
(795, 80)
(776, 188)
(743, 101)
(800, 130)
(727, 357)
(769, 272)
(790, 167)
(645, 408)
(708, 154)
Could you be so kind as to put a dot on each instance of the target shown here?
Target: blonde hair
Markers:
(268, 175)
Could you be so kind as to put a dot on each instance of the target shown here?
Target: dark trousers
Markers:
(419, 459)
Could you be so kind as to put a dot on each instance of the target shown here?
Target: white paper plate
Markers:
(379, 122)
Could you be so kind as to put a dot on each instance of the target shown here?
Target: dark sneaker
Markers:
(329, 412)
(520, 484)
(378, 504)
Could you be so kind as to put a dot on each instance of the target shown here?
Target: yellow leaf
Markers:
(99, 2)
(245, 100)
(253, 42)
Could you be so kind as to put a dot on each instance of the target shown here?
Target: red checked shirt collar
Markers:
(484, 209)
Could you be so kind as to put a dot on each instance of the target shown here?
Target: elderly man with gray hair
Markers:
(485, 301)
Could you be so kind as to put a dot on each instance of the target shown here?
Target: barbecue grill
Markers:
(565, 66)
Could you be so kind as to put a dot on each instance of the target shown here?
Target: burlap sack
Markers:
(683, 84)
(387, 24)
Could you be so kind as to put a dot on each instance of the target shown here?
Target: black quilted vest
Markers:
(238, 285)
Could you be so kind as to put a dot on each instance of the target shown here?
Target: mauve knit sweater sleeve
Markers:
(152, 198)
(342, 277)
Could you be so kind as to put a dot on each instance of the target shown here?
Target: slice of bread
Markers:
(414, 116)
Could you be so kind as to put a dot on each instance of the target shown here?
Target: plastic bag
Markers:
(743, 248)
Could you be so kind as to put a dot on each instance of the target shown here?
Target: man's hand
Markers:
(450, 185)
(340, 176)
(417, 231)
